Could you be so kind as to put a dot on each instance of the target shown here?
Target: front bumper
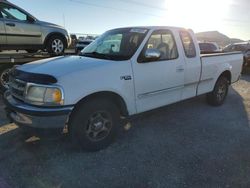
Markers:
(35, 117)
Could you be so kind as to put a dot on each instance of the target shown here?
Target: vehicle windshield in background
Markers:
(207, 47)
(117, 44)
(237, 47)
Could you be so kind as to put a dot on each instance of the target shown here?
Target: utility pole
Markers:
(64, 20)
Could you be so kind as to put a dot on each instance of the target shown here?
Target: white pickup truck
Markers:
(124, 72)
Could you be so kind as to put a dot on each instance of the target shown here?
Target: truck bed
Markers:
(209, 54)
(214, 64)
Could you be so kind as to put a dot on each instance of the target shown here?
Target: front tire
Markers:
(94, 124)
(219, 94)
(56, 45)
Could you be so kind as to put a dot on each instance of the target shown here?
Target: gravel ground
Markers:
(188, 144)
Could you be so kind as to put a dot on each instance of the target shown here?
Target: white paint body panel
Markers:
(152, 85)
(157, 83)
(82, 76)
(192, 71)
(214, 65)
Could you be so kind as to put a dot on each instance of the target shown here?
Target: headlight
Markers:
(44, 95)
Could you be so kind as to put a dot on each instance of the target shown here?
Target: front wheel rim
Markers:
(57, 46)
(99, 126)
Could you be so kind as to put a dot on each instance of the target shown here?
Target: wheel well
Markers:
(55, 34)
(117, 99)
(226, 74)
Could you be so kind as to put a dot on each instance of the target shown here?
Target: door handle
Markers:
(180, 69)
(11, 24)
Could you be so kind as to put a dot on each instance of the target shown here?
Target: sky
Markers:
(230, 17)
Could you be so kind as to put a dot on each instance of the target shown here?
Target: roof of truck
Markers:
(156, 27)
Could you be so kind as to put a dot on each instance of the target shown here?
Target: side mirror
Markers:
(152, 54)
(30, 19)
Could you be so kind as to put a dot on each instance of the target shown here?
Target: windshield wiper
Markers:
(96, 54)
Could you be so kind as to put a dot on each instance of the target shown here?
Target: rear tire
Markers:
(94, 124)
(219, 94)
(56, 45)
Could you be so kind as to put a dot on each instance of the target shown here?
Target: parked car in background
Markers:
(19, 30)
(244, 47)
(209, 47)
(80, 45)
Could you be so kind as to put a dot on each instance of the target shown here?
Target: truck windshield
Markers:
(117, 44)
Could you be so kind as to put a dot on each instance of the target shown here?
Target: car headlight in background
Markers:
(44, 95)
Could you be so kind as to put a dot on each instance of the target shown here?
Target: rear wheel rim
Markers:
(57, 46)
(221, 93)
(4, 78)
(99, 126)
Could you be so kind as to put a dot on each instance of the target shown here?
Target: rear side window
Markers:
(188, 44)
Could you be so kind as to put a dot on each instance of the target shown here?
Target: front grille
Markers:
(17, 88)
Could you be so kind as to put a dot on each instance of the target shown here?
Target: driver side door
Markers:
(159, 82)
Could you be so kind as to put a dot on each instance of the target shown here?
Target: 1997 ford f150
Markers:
(124, 72)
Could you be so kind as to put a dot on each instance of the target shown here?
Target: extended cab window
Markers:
(188, 44)
(163, 41)
(9, 12)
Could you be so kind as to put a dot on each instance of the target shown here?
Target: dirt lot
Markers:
(188, 144)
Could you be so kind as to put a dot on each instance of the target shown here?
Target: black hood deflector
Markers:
(33, 77)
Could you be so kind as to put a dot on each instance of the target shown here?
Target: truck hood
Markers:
(60, 66)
